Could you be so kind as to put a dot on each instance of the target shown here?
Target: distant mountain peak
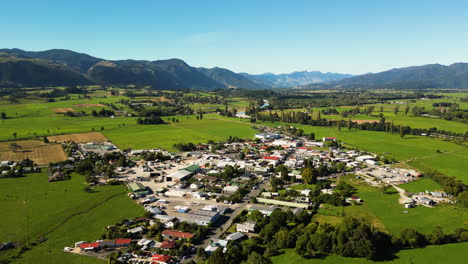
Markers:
(296, 78)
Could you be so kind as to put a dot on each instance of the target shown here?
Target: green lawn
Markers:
(447, 254)
(452, 163)
(33, 207)
(303, 186)
(421, 185)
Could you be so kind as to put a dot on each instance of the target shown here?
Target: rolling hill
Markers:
(231, 79)
(172, 74)
(415, 77)
(17, 70)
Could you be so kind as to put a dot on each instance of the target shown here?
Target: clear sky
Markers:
(255, 36)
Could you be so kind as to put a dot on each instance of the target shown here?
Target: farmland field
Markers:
(188, 130)
(383, 210)
(78, 138)
(450, 253)
(421, 185)
(39, 152)
(33, 207)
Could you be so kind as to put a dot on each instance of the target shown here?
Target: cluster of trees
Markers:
(351, 238)
(13, 172)
(94, 164)
(165, 111)
(102, 112)
(63, 92)
(450, 184)
(152, 120)
(154, 156)
(185, 146)
(382, 126)
(298, 99)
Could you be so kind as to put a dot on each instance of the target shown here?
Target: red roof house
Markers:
(271, 158)
(167, 245)
(176, 234)
(161, 259)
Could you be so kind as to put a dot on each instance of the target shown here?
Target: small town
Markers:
(234, 132)
(199, 201)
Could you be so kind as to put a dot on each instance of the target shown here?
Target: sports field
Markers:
(60, 211)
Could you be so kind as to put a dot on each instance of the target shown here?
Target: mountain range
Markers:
(415, 77)
(58, 67)
(298, 78)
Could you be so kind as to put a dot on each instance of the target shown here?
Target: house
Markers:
(145, 242)
(353, 199)
(210, 249)
(263, 209)
(437, 194)
(230, 189)
(167, 245)
(153, 210)
(235, 236)
(427, 201)
(246, 227)
(196, 185)
(135, 230)
(219, 242)
(174, 234)
(161, 259)
(58, 175)
(325, 139)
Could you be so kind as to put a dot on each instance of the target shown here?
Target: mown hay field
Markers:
(41, 153)
(79, 137)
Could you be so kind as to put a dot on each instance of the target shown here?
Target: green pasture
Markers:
(421, 185)
(189, 129)
(33, 207)
(383, 210)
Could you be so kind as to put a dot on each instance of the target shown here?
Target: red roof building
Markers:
(271, 158)
(161, 259)
(176, 234)
(167, 244)
(121, 242)
(89, 245)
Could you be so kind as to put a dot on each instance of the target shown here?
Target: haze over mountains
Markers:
(19, 68)
(293, 79)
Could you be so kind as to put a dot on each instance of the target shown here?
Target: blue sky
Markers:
(255, 36)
